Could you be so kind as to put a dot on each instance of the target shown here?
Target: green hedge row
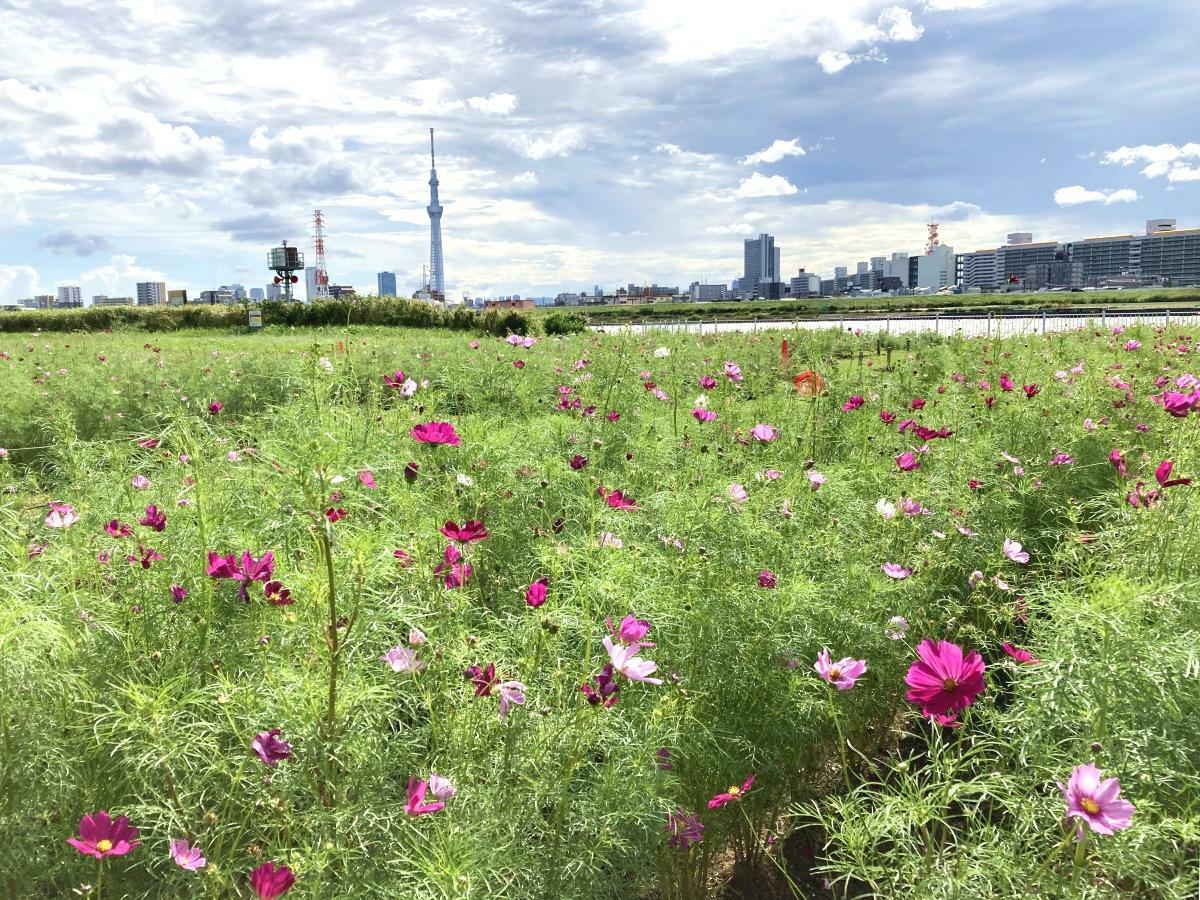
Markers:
(349, 311)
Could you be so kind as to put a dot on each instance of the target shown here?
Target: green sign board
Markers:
(254, 318)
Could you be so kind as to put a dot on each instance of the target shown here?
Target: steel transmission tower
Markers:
(437, 283)
(321, 274)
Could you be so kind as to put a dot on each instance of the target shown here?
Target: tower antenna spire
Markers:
(437, 284)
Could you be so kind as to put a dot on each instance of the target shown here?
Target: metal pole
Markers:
(937, 319)
(1043, 321)
(1103, 320)
(887, 325)
(1168, 325)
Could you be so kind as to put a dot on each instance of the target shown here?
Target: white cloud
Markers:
(17, 283)
(526, 179)
(778, 150)
(303, 144)
(494, 104)
(833, 61)
(121, 269)
(758, 185)
(948, 5)
(1161, 159)
(560, 142)
(897, 23)
(1076, 194)
(733, 228)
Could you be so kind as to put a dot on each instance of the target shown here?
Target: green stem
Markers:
(841, 739)
(1050, 856)
(766, 851)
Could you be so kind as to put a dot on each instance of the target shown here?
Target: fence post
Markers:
(1043, 322)
(989, 325)
(937, 323)
(887, 324)
(1168, 324)
(1103, 319)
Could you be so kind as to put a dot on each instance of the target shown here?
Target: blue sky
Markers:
(579, 143)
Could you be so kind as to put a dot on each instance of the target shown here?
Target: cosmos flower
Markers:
(616, 499)
(707, 382)
(535, 594)
(367, 479)
(764, 433)
(178, 593)
(732, 371)
(737, 493)
(885, 508)
(766, 579)
(703, 415)
(187, 857)
(604, 694)
(684, 828)
(624, 659)
(214, 408)
(154, 518)
(732, 794)
(453, 568)
(1162, 475)
(276, 594)
(416, 805)
(270, 749)
(1096, 802)
(943, 680)
(1012, 549)
(435, 433)
(441, 787)
(510, 693)
(471, 531)
(118, 529)
(897, 628)
(895, 570)
(908, 461)
(853, 403)
(62, 515)
(270, 881)
(101, 836)
(1021, 656)
(815, 479)
(841, 674)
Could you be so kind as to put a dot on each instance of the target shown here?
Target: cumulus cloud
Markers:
(494, 104)
(1170, 160)
(732, 228)
(833, 61)
(256, 229)
(525, 180)
(778, 150)
(68, 243)
(560, 142)
(758, 185)
(1077, 193)
(302, 144)
(121, 269)
(897, 23)
(17, 283)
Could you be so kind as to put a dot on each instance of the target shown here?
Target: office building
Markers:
(221, 295)
(274, 292)
(761, 262)
(387, 284)
(105, 300)
(151, 293)
(840, 272)
(1015, 260)
(257, 295)
(707, 292)
(805, 284)
(1019, 237)
(980, 270)
(68, 296)
(177, 298)
(238, 291)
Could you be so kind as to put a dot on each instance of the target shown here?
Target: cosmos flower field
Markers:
(390, 613)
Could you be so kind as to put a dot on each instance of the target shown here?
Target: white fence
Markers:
(992, 325)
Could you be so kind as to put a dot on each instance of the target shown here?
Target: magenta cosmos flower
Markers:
(1096, 802)
(270, 881)
(734, 793)
(469, 532)
(853, 403)
(908, 461)
(684, 828)
(841, 674)
(1163, 475)
(703, 415)
(270, 748)
(943, 680)
(453, 568)
(616, 499)
(767, 579)
(416, 805)
(186, 856)
(605, 692)
(535, 594)
(100, 836)
(1021, 656)
(435, 433)
(764, 433)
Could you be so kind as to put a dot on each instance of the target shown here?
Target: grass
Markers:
(113, 696)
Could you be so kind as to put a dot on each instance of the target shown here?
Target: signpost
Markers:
(254, 319)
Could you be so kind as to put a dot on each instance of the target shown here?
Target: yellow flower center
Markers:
(834, 673)
(104, 845)
(1090, 805)
(949, 684)
(734, 791)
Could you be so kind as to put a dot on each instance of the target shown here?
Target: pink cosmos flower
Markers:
(1131, 345)
(703, 415)
(394, 381)
(734, 793)
(270, 882)
(733, 371)
(510, 693)
(471, 531)
(1031, 390)
(118, 529)
(1021, 656)
(416, 637)
(62, 515)
(402, 659)
(455, 571)
(974, 579)
(853, 403)
(769, 475)
(625, 660)
(684, 828)
(403, 557)
(944, 681)
(1163, 476)
(1096, 802)
(1012, 549)
(441, 787)
(154, 518)
(763, 433)
(610, 540)
(435, 433)
(616, 499)
(884, 416)
(841, 674)
(367, 479)
(187, 857)
(416, 805)
(101, 836)
(1006, 383)
(1062, 459)
(908, 461)
(708, 382)
(270, 749)
(767, 579)
(1117, 458)
(141, 482)
(632, 631)
(178, 593)
(145, 556)
(483, 679)
(275, 593)
(815, 479)
(535, 594)
(895, 570)
(737, 493)
(605, 693)
(214, 408)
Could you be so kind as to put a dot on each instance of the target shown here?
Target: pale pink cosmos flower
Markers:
(625, 660)
(187, 857)
(897, 628)
(1096, 802)
(841, 674)
(610, 540)
(62, 515)
(974, 579)
(416, 637)
(511, 693)
(815, 478)
(737, 493)
(764, 433)
(1012, 549)
(785, 509)
(895, 570)
(769, 475)
(141, 482)
(885, 508)
(1001, 584)
(402, 659)
(441, 787)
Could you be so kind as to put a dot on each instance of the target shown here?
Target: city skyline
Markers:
(634, 143)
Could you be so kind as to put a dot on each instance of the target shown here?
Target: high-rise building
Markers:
(1020, 237)
(980, 270)
(761, 262)
(274, 292)
(936, 268)
(862, 269)
(705, 292)
(151, 293)
(387, 284)
(177, 298)
(69, 296)
(257, 295)
(840, 272)
(1014, 260)
(1154, 225)
(806, 284)
(437, 281)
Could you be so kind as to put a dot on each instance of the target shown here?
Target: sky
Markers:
(580, 142)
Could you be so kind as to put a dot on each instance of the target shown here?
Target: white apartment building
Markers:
(151, 293)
